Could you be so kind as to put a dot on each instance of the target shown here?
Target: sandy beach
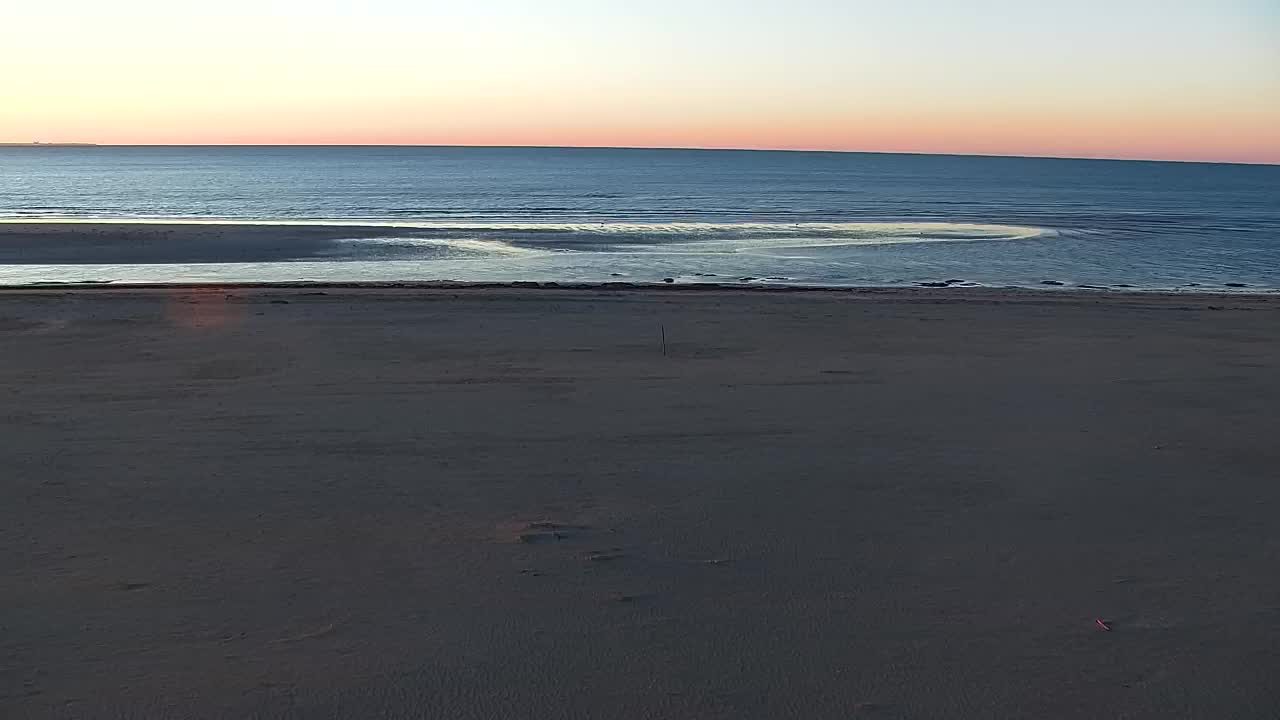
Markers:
(436, 502)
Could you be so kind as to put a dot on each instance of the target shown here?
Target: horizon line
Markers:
(1099, 158)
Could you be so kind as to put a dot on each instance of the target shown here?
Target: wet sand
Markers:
(516, 503)
(124, 243)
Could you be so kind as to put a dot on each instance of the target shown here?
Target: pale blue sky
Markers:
(803, 72)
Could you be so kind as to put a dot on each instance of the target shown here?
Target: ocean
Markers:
(581, 215)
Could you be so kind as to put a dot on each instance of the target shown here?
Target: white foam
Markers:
(840, 232)
(464, 246)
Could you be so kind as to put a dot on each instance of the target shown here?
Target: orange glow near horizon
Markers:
(1245, 139)
(1196, 81)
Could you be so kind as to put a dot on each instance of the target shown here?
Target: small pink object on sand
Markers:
(1103, 624)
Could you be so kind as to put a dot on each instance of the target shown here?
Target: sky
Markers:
(1170, 79)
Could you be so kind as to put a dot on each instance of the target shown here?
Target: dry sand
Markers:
(492, 503)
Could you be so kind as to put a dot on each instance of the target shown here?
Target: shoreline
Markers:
(918, 291)
(40, 252)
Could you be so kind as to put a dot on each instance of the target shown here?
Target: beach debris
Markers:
(1235, 285)
(545, 525)
(1050, 282)
(319, 632)
(1103, 624)
(540, 531)
(598, 556)
(668, 280)
(716, 561)
(933, 284)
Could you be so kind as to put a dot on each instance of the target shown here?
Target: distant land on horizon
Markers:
(1101, 158)
(48, 144)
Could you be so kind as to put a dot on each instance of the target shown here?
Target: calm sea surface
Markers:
(646, 215)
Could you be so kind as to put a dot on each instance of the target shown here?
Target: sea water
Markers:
(565, 214)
